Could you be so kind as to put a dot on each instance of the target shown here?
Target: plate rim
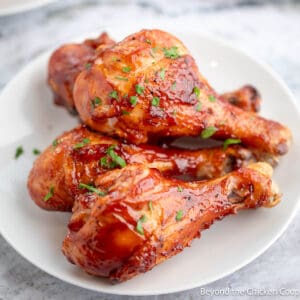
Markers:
(263, 65)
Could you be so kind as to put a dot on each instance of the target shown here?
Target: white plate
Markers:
(8, 7)
(28, 118)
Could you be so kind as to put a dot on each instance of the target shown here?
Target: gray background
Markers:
(269, 30)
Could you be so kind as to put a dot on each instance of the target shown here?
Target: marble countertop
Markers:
(269, 30)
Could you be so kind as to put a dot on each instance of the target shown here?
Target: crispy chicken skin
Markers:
(67, 62)
(63, 168)
(148, 218)
(172, 97)
(70, 59)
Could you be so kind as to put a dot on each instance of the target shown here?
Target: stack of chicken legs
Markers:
(136, 199)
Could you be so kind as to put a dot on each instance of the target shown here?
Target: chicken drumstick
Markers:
(148, 85)
(136, 218)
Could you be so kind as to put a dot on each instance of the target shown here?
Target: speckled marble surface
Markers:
(269, 30)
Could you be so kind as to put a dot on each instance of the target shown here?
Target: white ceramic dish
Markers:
(28, 118)
(8, 7)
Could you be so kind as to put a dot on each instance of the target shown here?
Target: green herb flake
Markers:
(171, 52)
(103, 162)
(155, 101)
(133, 100)
(88, 66)
(208, 132)
(126, 69)
(174, 112)
(114, 59)
(96, 102)
(121, 78)
(55, 143)
(196, 91)
(212, 98)
(150, 205)
(139, 89)
(179, 215)
(125, 112)
(115, 157)
(91, 189)
(198, 106)
(49, 194)
(36, 151)
(162, 74)
(179, 189)
(139, 225)
(114, 95)
(19, 152)
(230, 142)
(148, 41)
(173, 86)
(84, 142)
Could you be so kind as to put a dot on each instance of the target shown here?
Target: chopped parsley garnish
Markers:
(173, 86)
(198, 106)
(126, 69)
(179, 215)
(133, 100)
(179, 189)
(162, 73)
(19, 152)
(174, 112)
(230, 142)
(139, 225)
(91, 189)
(36, 151)
(55, 143)
(88, 66)
(155, 101)
(211, 98)
(114, 95)
(112, 159)
(114, 59)
(125, 112)
(121, 78)
(103, 162)
(115, 157)
(139, 89)
(50, 193)
(150, 205)
(148, 41)
(208, 132)
(96, 102)
(196, 91)
(171, 52)
(84, 142)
